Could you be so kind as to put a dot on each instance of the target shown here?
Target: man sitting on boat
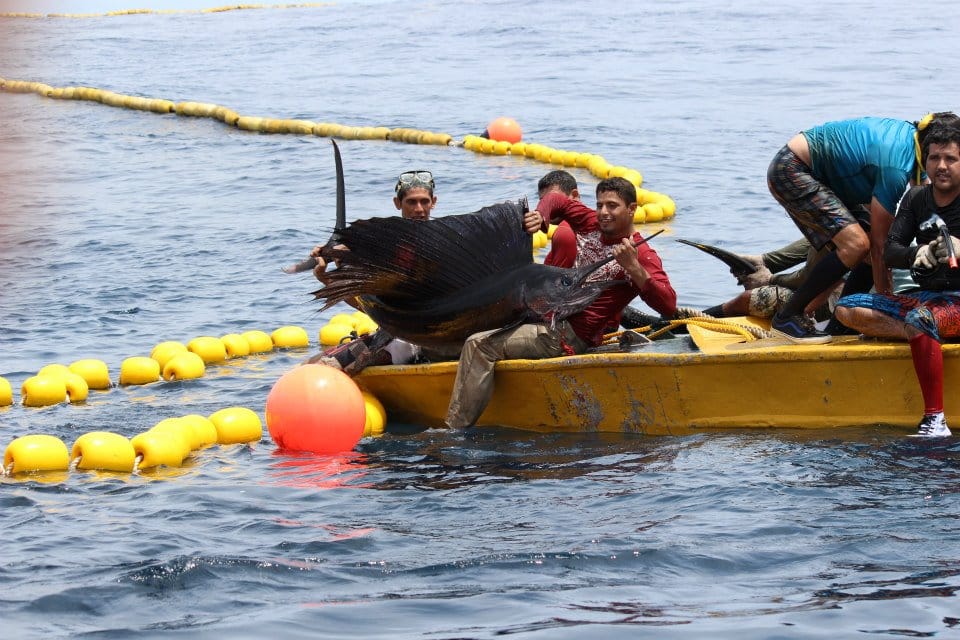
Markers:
(927, 316)
(599, 233)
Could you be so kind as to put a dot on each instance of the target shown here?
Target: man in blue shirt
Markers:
(840, 183)
(931, 314)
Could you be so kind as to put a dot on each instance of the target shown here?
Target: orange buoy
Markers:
(315, 408)
(505, 129)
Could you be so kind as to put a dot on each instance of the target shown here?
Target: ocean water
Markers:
(120, 229)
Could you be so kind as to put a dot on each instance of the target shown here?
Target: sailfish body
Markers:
(438, 281)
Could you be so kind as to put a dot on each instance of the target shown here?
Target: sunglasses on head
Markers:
(416, 178)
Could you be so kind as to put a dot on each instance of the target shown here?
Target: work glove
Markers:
(759, 278)
(926, 258)
(942, 251)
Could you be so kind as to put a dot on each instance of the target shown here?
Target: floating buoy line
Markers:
(134, 12)
(652, 207)
(171, 441)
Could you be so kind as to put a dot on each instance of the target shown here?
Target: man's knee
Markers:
(854, 317)
(853, 245)
(844, 315)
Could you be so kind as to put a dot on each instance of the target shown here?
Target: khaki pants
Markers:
(473, 387)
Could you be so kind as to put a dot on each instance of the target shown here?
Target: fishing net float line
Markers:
(652, 207)
(134, 12)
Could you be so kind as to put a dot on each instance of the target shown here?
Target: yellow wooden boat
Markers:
(707, 380)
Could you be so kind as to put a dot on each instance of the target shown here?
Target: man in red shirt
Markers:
(600, 233)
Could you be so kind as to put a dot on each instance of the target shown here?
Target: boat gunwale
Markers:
(831, 352)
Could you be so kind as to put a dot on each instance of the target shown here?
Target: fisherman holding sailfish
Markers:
(488, 295)
(635, 270)
(414, 198)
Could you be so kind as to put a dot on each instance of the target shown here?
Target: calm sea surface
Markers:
(120, 229)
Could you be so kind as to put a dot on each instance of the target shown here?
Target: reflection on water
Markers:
(307, 470)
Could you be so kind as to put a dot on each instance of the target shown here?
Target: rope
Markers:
(688, 316)
(133, 12)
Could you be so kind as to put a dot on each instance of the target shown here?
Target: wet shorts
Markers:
(814, 207)
(935, 313)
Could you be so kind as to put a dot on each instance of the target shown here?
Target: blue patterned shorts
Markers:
(814, 207)
(935, 313)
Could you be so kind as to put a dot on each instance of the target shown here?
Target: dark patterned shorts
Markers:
(935, 313)
(815, 209)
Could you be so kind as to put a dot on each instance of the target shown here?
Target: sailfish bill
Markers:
(311, 262)
(738, 266)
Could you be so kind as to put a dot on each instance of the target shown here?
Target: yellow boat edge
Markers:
(848, 383)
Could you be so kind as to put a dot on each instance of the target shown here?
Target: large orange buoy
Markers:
(315, 408)
(505, 129)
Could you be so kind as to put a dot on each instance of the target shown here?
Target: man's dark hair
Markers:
(939, 118)
(940, 132)
(402, 191)
(620, 186)
(559, 178)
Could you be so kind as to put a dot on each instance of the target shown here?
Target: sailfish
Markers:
(436, 282)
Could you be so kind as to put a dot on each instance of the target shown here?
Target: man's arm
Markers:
(556, 206)
(880, 222)
(654, 285)
(897, 251)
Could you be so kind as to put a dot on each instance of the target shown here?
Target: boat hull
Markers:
(728, 386)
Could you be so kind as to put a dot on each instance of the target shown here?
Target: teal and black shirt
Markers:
(863, 158)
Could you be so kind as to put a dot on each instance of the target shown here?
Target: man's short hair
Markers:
(940, 132)
(620, 186)
(559, 178)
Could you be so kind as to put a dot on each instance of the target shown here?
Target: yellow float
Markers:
(259, 341)
(178, 431)
(166, 350)
(204, 430)
(103, 451)
(156, 449)
(210, 349)
(333, 333)
(184, 366)
(236, 345)
(376, 417)
(139, 370)
(77, 388)
(43, 391)
(237, 425)
(6, 392)
(290, 338)
(36, 453)
(59, 370)
(94, 372)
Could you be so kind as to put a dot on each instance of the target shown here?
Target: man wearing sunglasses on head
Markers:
(414, 199)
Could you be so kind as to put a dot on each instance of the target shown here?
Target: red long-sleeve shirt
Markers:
(657, 292)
